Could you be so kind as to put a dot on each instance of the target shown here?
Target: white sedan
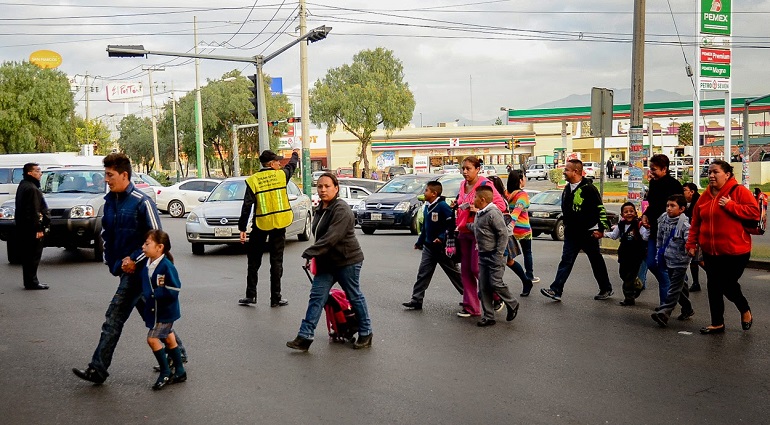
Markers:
(352, 195)
(183, 196)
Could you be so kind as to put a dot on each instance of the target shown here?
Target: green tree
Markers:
(369, 93)
(685, 134)
(92, 132)
(498, 121)
(36, 107)
(136, 139)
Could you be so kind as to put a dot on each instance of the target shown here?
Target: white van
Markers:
(11, 167)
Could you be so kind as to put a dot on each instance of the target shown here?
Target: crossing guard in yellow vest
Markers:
(266, 195)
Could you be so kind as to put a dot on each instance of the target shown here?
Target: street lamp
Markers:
(504, 109)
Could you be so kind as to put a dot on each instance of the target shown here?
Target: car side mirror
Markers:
(201, 199)
(293, 197)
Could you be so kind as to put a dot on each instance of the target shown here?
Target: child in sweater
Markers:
(492, 239)
(632, 251)
(672, 259)
(160, 287)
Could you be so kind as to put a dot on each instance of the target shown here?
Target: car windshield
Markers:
(149, 180)
(451, 187)
(233, 190)
(73, 181)
(550, 197)
(406, 184)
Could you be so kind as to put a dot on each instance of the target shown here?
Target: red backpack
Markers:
(341, 320)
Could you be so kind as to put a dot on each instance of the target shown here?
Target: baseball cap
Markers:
(267, 156)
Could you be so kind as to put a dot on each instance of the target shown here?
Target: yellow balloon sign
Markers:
(45, 58)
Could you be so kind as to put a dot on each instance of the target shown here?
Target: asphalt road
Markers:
(576, 362)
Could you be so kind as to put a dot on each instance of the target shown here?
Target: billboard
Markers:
(124, 91)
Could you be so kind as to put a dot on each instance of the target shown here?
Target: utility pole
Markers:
(307, 181)
(88, 108)
(636, 132)
(198, 112)
(156, 153)
(176, 134)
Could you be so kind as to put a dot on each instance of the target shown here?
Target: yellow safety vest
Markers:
(271, 209)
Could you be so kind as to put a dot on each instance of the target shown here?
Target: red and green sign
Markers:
(717, 70)
(716, 17)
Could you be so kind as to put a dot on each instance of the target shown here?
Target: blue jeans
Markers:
(127, 297)
(661, 276)
(348, 278)
(573, 244)
(526, 251)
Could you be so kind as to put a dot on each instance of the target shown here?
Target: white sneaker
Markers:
(463, 313)
(535, 279)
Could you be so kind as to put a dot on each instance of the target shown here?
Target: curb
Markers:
(753, 264)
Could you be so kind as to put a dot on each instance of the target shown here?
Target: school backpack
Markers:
(341, 320)
(756, 227)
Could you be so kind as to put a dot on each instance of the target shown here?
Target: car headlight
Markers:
(402, 206)
(541, 214)
(7, 213)
(82, 211)
(361, 206)
(192, 218)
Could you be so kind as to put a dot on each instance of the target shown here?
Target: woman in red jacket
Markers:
(717, 229)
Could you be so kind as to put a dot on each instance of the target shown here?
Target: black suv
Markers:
(75, 198)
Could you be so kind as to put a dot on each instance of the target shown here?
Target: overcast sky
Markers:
(463, 59)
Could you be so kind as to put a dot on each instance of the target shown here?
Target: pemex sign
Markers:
(716, 17)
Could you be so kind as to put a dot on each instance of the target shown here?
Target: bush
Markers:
(161, 177)
(556, 175)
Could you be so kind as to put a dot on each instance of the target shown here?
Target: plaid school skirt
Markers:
(513, 249)
(161, 330)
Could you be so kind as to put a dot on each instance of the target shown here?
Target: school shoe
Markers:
(89, 374)
(39, 286)
(686, 315)
(747, 325)
(527, 288)
(463, 313)
(175, 379)
(512, 312)
(363, 342)
(280, 303)
(299, 343)
(709, 330)
(413, 305)
(161, 383)
(695, 287)
(247, 301)
(551, 294)
(660, 318)
(603, 295)
(485, 322)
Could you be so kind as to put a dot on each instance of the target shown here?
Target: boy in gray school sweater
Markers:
(492, 238)
(672, 258)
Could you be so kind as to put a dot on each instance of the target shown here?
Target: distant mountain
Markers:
(621, 97)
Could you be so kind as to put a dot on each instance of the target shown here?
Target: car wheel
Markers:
(558, 231)
(176, 208)
(368, 230)
(14, 251)
(536, 233)
(98, 248)
(305, 235)
(198, 249)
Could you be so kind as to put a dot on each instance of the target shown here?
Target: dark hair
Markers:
(691, 186)
(335, 181)
(29, 167)
(497, 182)
(161, 238)
(628, 204)
(679, 199)
(435, 186)
(514, 180)
(661, 161)
(724, 165)
(474, 160)
(119, 162)
(577, 163)
(485, 192)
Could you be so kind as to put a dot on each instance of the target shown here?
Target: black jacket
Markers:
(32, 213)
(335, 237)
(691, 205)
(583, 209)
(659, 192)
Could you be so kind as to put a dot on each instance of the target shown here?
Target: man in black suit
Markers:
(32, 218)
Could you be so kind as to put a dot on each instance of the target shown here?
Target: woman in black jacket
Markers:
(338, 258)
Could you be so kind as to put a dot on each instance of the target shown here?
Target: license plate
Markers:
(376, 216)
(221, 232)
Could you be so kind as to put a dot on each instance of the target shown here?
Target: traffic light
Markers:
(254, 98)
(515, 143)
(292, 120)
(509, 144)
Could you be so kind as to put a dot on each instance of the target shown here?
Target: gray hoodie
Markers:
(490, 231)
(675, 254)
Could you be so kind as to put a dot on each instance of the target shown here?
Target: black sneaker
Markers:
(413, 305)
(686, 315)
(90, 374)
(695, 287)
(247, 301)
(279, 303)
(551, 294)
(660, 318)
(603, 295)
(463, 313)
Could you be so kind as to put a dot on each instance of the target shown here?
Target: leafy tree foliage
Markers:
(136, 139)
(36, 108)
(369, 93)
(685, 134)
(94, 132)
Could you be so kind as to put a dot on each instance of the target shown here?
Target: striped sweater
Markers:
(518, 205)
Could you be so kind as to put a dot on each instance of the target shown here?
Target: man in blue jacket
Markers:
(128, 215)
(438, 218)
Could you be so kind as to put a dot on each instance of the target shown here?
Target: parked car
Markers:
(538, 171)
(395, 205)
(317, 174)
(501, 170)
(75, 198)
(352, 195)
(345, 172)
(620, 168)
(180, 198)
(545, 215)
(146, 184)
(488, 170)
(395, 170)
(592, 169)
(215, 221)
(450, 169)
(369, 184)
